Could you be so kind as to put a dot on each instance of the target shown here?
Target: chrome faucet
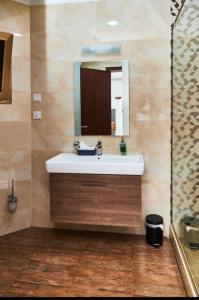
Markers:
(99, 148)
(76, 145)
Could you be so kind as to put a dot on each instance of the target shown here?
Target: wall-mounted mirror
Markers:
(6, 41)
(101, 98)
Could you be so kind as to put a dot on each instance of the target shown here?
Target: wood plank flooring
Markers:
(50, 262)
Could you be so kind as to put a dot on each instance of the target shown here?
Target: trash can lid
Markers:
(154, 219)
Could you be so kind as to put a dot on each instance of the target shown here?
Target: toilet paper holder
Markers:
(12, 199)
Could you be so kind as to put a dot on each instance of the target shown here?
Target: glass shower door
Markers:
(185, 133)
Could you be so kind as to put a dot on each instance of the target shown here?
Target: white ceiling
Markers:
(51, 2)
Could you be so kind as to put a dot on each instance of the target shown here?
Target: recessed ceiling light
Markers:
(113, 23)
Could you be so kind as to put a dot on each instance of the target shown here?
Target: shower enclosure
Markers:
(185, 142)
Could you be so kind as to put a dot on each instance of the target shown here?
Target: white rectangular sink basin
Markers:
(104, 164)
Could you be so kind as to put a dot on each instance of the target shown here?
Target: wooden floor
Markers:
(47, 262)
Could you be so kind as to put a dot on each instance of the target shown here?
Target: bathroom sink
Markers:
(104, 164)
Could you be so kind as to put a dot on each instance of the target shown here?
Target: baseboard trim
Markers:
(183, 265)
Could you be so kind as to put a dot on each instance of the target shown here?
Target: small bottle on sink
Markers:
(122, 147)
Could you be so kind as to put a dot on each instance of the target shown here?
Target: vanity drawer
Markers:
(112, 200)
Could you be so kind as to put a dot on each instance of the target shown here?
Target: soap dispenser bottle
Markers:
(122, 146)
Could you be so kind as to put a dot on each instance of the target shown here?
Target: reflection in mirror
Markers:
(101, 98)
(2, 46)
(6, 40)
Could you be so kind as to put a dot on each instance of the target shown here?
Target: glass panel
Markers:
(185, 133)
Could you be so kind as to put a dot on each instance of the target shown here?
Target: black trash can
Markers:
(154, 230)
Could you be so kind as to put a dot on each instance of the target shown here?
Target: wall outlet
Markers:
(36, 97)
(37, 115)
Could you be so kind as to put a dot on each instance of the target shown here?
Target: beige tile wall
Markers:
(57, 35)
(15, 121)
(185, 133)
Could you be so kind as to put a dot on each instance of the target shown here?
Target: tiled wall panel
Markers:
(175, 7)
(186, 114)
(57, 35)
(15, 121)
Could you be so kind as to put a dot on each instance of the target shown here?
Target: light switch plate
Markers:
(36, 97)
(37, 115)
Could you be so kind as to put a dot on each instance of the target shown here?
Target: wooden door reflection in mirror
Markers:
(6, 41)
(95, 102)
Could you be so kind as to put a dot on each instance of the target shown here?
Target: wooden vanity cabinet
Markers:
(110, 200)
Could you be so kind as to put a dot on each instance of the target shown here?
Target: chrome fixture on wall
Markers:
(12, 200)
(101, 49)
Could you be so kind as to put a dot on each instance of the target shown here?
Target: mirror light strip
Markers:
(101, 49)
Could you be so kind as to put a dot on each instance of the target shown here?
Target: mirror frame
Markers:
(77, 93)
(6, 91)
